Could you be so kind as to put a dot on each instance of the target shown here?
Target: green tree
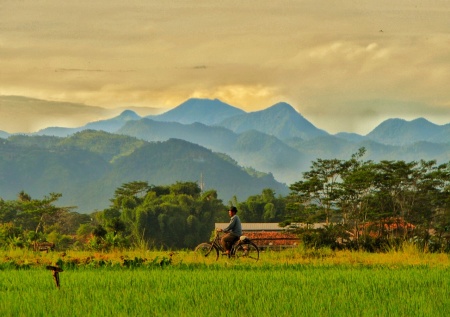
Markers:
(174, 216)
(34, 218)
(35, 214)
(319, 187)
(264, 207)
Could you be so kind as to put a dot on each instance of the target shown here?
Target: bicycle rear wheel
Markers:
(207, 249)
(247, 252)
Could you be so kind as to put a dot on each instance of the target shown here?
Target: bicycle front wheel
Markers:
(207, 249)
(247, 252)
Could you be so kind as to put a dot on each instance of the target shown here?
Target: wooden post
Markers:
(55, 272)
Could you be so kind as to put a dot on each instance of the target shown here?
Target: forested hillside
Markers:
(88, 166)
(250, 148)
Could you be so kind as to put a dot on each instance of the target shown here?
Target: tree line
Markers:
(375, 205)
(360, 205)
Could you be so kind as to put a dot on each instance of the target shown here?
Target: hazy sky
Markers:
(345, 65)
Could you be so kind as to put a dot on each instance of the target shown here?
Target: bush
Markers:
(332, 236)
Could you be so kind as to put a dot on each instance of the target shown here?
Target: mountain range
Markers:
(278, 139)
(276, 143)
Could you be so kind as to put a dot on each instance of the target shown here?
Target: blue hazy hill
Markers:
(400, 132)
(206, 111)
(280, 120)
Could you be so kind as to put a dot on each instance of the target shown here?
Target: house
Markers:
(266, 235)
(254, 226)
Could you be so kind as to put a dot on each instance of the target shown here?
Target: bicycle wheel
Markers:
(206, 249)
(247, 251)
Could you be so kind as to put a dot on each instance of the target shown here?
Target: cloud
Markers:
(320, 57)
(240, 95)
(91, 70)
(77, 70)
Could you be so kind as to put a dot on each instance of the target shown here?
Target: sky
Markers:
(345, 65)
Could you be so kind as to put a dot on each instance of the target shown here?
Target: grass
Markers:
(408, 255)
(294, 282)
(210, 291)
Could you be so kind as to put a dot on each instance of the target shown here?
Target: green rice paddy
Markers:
(275, 286)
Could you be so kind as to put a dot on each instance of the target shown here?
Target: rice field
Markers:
(290, 283)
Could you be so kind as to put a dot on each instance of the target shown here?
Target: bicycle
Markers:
(243, 249)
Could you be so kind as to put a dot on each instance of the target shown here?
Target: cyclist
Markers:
(233, 230)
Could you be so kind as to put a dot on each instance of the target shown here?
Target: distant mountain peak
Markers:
(395, 123)
(206, 111)
(280, 120)
(205, 100)
(397, 131)
(129, 115)
(422, 120)
(283, 105)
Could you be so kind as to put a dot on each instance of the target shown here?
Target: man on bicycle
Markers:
(233, 230)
